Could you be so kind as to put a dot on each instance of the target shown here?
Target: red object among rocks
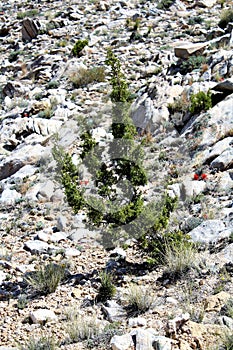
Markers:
(195, 177)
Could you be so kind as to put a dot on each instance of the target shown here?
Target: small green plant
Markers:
(165, 4)
(200, 102)
(53, 84)
(139, 299)
(107, 289)
(46, 280)
(193, 62)
(225, 18)
(22, 302)
(195, 20)
(43, 343)
(78, 47)
(83, 76)
(222, 280)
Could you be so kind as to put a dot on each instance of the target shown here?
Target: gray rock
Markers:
(225, 182)
(209, 231)
(36, 247)
(113, 311)
(162, 343)
(46, 191)
(28, 154)
(78, 234)
(217, 149)
(42, 315)
(61, 223)
(226, 321)
(206, 3)
(224, 86)
(30, 29)
(224, 161)
(225, 256)
(121, 342)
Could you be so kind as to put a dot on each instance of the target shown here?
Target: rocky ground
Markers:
(167, 55)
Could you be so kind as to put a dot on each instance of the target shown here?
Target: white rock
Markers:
(42, 316)
(209, 231)
(121, 342)
(9, 197)
(137, 321)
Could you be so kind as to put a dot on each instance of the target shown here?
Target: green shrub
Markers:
(200, 102)
(165, 4)
(43, 343)
(29, 13)
(46, 280)
(78, 47)
(195, 20)
(225, 18)
(156, 239)
(193, 62)
(103, 210)
(107, 289)
(83, 76)
(139, 299)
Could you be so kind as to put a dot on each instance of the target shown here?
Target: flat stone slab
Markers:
(188, 49)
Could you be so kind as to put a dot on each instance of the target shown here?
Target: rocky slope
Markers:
(167, 55)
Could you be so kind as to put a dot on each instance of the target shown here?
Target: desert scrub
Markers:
(83, 76)
(179, 258)
(102, 340)
(80, 328)
(193, 62)
(78, 47)
(42, 343)
(107, 290)
(165, 4)
(139, 300)
(200, 102)
(225, 18)
(46, 280)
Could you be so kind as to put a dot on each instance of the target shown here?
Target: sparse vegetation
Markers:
(107, 290)
(80, 328)
(193, 62)
(200, 102)
(225, 18)
(78, 47)
(165, 4)
(46, 280)
(83, 76)
(29, 13)
(139, 299)
(179, 257)
(42, 343)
